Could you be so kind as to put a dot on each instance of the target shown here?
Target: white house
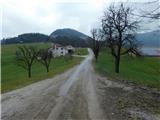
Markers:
(60, 50)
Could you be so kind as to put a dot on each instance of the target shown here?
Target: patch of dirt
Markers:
(128, 102)
(76, 109)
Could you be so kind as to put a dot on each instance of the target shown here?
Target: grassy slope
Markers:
(81, 51)
(14, 77)
(145, 71)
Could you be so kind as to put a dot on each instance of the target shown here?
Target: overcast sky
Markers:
(45, 16)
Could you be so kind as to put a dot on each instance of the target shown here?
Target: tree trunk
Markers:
(47, 67)
(117, 61)
(29, 72)
(96, 57)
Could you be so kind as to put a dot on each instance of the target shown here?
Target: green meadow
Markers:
(13, 76)
(81, 51)
(140, 70)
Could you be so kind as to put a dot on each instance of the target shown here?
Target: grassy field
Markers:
(144, 70)
(81, 51)
(14, 77)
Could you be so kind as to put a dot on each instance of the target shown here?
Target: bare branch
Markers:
(119, 30)
(25, 57)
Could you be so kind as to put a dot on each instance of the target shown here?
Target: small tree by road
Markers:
(97, 37)
(44, 56)
(25, 57)
(119, 30)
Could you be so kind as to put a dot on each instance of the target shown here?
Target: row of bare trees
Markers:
(26, 56)
(118, 29)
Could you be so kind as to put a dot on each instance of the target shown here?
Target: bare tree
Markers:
(153, 13)
(119, 30)
(25, 57)
(44, 56)
(96, 38)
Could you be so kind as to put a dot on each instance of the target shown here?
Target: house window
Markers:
(61, 52)
(61, 48)
(57, 48)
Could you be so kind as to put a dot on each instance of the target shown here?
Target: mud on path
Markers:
(78, 94)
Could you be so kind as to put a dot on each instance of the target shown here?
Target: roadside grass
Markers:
(140, 70)
(81, 51)
(13, 76)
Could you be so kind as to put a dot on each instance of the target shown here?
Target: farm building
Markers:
(60, 50)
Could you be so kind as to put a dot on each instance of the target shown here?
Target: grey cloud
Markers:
(81, 16)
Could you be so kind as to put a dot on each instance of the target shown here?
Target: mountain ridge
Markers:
(149, 39)
(26, 38)
(68, 32)
(68, 36)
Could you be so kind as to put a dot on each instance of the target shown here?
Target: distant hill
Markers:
(70, 37)
(149, 39)
(62, 36)
(68, 32)
(26, 38)
(75, 38)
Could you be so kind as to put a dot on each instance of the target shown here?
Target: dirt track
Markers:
(75, 95)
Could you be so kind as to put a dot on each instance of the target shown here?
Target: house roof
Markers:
(59, 45)
(69, 46)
